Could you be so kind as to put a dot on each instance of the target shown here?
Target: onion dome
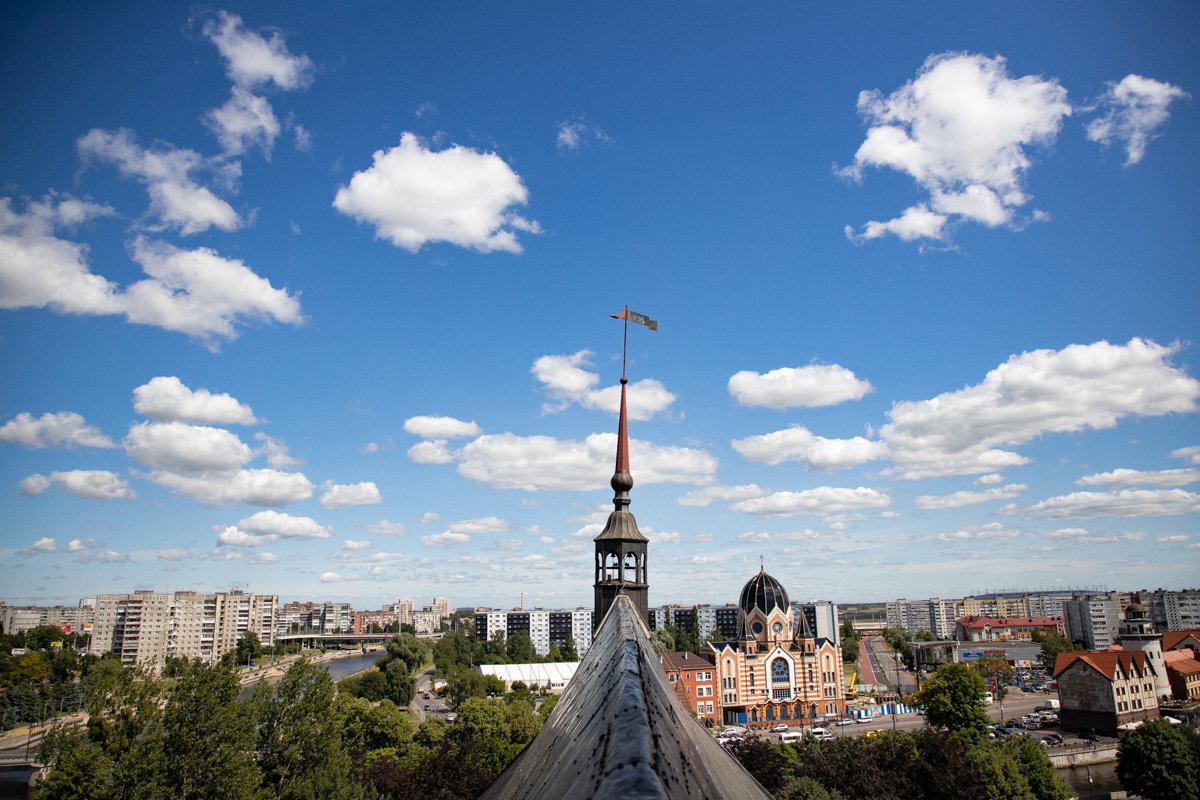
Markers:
(1134, 611)
(764, 592)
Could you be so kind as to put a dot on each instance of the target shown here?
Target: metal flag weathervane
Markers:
(632, 316)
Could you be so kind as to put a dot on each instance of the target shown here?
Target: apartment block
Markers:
(545, 627)
(1093, 620)
(16, 619)
(822, 618)
(934, 615)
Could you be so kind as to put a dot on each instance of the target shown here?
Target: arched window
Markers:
(629, 573)
(780, 672)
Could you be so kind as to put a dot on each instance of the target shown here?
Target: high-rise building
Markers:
(1093, 620)
(545, 627)
(1137, 633)
(822, 618)
(442, 604)
(1172, 611)
(934, 615)
(403, 609)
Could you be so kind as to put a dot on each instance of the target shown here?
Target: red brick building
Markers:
(363, 620)
(694, 679)
(1007, 629)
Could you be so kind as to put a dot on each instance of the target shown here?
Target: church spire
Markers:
(622, 480)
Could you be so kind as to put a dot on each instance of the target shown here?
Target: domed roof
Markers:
(1135, 609)
(764, 592)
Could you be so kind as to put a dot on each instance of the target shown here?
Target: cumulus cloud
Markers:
(480, 525)
(330, 577)
(791, 387)
(991, 531)
(79, 545)
(1133, 477)
(246, 120)
(47, 544)
(166, 398)
(350, 544)
(256, 487)
(277, 453)
(656, 537)
(507, 461)
(441, 427)
(820, 501)
(385, 528)
(711, 494)
(817, 453)
(435, 452)
(987, 480)
(959, 499)
(444, 539)
(959, 130)
(1172, 539)
(1121, 504)
(185, 449)
(196, 292)
(1037, 392)
(252, 61)
(564, 379)
(354, 494)
(94, 484)
(285, 526)
(1191, 455)
(429, 516)
(64, 429)
(103, 557)
(1135, 110)
(175, 198)
(413, 195)
(509, 545)
(264, 558)
(1084, 536)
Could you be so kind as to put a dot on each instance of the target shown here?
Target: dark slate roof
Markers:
(765, 592)
(621, 525)
(620, 732)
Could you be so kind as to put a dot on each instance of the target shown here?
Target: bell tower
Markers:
(621, 547)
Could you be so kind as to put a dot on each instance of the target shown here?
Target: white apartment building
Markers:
(1182, 610)
(1093, 620)
(934, 615)
(144, 628)
(16, 619)
(545, 627)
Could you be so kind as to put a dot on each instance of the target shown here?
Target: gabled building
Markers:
(1005, 629)
(1101, 689)
(1183, 672)
(776, 669)
(694, 679)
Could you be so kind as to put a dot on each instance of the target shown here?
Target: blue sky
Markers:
(318, 305)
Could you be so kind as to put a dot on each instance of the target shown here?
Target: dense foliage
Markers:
(1052, 644)
(300, 739)
(1160, 761)
(850, 642)
(926, 765)
(953, 699)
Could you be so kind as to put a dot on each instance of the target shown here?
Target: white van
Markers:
(988, 699)
(821, 733)
(791, 736)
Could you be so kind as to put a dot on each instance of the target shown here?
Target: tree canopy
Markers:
(953, 698)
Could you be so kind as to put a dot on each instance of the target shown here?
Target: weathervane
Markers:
(640, 319)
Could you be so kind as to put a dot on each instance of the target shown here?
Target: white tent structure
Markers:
(552, 676)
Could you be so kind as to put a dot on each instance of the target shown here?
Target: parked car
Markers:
(1052, 738)
(846, 722)
(1089, 736)
(729, 732)
(451, 717)
(427, 707)
(780, 728)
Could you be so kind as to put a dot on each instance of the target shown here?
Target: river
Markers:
(1104, 778)
(338, 668)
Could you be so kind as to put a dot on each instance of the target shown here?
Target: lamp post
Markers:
(1089, 774)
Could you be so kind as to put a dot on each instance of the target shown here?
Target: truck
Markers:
(1049, 705)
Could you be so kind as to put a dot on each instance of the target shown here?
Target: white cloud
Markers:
(79, 545)
(350, 544)
(166, 398)
(1136, 109)
(47, 544)
(959, 129)
(509, 545)
(1133, 477)
(659, 537)
(94, 484)
(275, 523)
(888, 515)
(369, 558)
(819, 454)
(567, 382)
(820, 501)
(705, 537)
(441, 427)
(806, 535)
(446, 539)
(103, 557)
(196, 292)
(1123, 503)
(991, 531)
(700, 560)
(253, 61)
(1172, 539)
(434, 452)
(987, 480)
(330, 577)
(1084, 536)
(428, 517)
(245, 121)
(894, 538)
(589, 531)
(790, 387)
(507, 461)
(480, 525)
(532, 561)
(1038, 392)
(413, 195)
(231, 536)
(960, 499)
(185, 449)
(573, 134)
(354, 494)
(1191, 455)
(369, 448)
(385, 528)
(711, 494)
(64, 429)
(175, 198)
(538, 530)
(264, 558)
(199, 293)
(277, 453)
(256, 487)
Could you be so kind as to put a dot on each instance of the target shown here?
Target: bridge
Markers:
(619, 731)
(312, 638)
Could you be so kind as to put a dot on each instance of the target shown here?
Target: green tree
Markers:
(248, 648)
(463, 684)
(663, 641)
(1035, 765)
(925, 636)
(80, 771)
(953, 698)
(493, 685)
(804, 788)
(519, 692)
(1052, 644)
(370, 727)
(553, 655)
(479, 719)
(29, 668)
(999, 774)
(993, 666)
(520, 648)
(400, 687)
(523, 723)
(1155, 761)
(414, 652)
(406, 628)
(898, 640)
(209, 740)
(300, 729)
(569, 653)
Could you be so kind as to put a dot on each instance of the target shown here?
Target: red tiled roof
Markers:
(673, 662)
(1003, 622)
(1103, 661)
(1187, 667)
(1171, 639)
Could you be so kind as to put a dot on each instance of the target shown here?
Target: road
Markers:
(437, 707)
(884, 663)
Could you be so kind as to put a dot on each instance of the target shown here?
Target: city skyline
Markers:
(320, 306)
